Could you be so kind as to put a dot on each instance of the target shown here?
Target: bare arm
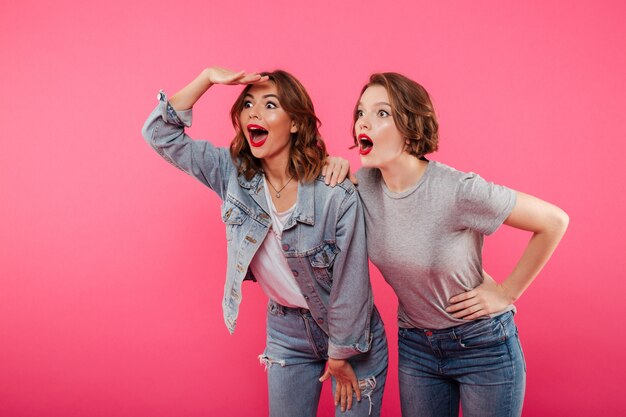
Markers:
(548, 224)
(187, 97)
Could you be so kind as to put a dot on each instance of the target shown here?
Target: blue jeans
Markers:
(479, 363)
(295, 357)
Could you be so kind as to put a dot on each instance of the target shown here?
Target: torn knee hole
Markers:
(268, 362)
(367, 386)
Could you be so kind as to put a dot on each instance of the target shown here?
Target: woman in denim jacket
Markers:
(302, 241)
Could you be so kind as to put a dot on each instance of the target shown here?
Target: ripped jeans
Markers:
(295, 357)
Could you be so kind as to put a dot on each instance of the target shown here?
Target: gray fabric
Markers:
(427, 241)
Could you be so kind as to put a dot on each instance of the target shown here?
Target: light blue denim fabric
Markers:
(479, 363)
(295, 356)
(323, 242)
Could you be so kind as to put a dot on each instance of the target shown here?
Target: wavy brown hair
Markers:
(307, 152)
(412, 112)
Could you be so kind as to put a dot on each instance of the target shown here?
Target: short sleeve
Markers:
(481, 205)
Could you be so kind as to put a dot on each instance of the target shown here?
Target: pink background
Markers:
(112, 262)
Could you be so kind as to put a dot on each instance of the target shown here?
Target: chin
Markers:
(257, 152)
(367, 162)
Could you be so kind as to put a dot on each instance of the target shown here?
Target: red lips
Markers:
(258, 135)
(366, 144)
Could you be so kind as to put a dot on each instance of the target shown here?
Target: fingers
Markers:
(357, 389)
(476, 315)
(253, 78)
(347, 404)
(462, 297)
(341, 175)
(343, 396)
(474, 311)
(461, 305)
(337, 394)
(329, 169)
(325, 376)
(335, 171)
(353, 179)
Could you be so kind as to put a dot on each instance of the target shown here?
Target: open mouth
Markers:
(258, 135)
(365, 144)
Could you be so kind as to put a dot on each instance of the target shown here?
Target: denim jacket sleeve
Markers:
(165, 132)
(351, 301)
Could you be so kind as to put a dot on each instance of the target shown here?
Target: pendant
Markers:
(277, 195)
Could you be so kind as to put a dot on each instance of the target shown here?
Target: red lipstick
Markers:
(257, 134)
(366, 144)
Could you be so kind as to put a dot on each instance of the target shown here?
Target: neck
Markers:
(403, 173)
(276, 171)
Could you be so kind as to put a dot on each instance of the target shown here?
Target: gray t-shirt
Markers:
(427, 241)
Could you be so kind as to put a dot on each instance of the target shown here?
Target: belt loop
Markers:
(275, 308)
(453, 335)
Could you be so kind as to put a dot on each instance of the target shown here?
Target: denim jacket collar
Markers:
(305, 206)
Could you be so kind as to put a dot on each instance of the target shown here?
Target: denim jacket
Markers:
(323, 242)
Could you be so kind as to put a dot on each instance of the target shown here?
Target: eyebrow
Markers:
(263, 96)
(384, 103)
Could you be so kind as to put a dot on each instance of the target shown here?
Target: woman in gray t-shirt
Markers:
(425, 224)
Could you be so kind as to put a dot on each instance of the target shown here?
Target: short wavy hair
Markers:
(308, 151)
(412, 111)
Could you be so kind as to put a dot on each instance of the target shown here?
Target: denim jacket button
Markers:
(285, 247)
(320, 320)
(306, 297)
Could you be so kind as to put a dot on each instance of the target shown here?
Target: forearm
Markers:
(548, 224)
(535, 256)
(187, 97)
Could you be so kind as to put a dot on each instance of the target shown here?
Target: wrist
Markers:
(509, 293)
(206, 76)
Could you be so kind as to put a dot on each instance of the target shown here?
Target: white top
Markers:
(269, 265)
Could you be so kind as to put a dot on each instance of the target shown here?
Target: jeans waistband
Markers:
(455, 331)
(279, 309)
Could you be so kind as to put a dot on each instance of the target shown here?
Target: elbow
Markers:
(559, 220)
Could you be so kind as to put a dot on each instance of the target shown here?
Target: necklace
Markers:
(281, 188)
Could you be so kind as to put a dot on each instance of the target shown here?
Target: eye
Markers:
(247, 104)
(270, 105)
(382, 113)
(360, 113)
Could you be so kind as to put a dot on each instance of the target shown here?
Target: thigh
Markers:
(424, 389)
(294, 390)
(495, 381)
(293, 363)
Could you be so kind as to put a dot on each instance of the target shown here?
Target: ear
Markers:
(294, 127)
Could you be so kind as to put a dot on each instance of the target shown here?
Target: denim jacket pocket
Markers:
(233, 217)
(482, 333)
(322, 264)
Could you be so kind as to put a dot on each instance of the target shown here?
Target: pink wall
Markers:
(112, 262)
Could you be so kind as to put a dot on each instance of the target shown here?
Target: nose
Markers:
(362, 123)
(253, 113)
